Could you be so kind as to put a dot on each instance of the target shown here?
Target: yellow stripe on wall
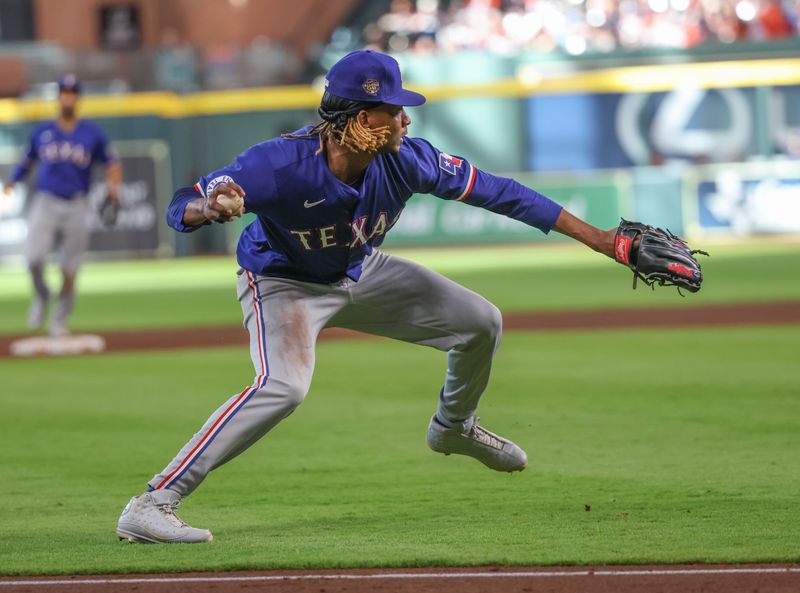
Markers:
(777, 72)
(633, 79)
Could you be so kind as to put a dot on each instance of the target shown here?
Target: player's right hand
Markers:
(213, 210)
(8, 189)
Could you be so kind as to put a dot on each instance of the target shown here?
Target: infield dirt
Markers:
(719, 315)
(619, 579)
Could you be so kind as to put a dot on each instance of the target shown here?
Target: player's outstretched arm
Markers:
(591, 236)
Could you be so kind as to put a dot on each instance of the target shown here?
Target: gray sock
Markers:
(40, 288)
(63, 309)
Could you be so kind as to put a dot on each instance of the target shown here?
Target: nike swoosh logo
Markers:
(308, 204)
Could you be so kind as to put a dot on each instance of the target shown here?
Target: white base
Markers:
(58, 346)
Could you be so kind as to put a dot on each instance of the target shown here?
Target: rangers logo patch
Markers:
(216, 181)
(371, 87)
(449, 163)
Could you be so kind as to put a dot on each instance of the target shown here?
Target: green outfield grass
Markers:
(645, 447)
(194, 291)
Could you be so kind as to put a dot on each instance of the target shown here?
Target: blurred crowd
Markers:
(577, 26)
(173, 65)
(182, 68)
(505, 27)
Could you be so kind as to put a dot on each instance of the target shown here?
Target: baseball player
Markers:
(65, 149)
(325, 198)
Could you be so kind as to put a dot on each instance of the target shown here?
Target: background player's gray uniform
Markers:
(51, 219)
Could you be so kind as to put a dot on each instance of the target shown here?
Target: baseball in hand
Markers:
(235, 205)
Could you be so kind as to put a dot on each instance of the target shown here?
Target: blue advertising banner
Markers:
(693, 125)
(745, 204)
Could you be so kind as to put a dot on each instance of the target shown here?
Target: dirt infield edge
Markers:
(718, 315)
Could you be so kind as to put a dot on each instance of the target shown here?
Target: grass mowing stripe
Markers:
(631, 462)
(211, 272)
(595, 283)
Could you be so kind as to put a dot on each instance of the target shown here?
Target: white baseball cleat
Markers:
(58, 329)
(150, 518)
(490, 449)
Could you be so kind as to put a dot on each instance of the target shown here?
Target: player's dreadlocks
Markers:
(341, 126)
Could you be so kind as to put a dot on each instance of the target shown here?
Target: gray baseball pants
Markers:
(51, 216)
(394, 298)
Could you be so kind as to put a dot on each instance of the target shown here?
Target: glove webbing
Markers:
(660, 280)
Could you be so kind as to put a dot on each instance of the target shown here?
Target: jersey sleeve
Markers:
(510, 198)
(454, 178)
(31, 154)
(253, 171)
(103, 151)
(177, 206)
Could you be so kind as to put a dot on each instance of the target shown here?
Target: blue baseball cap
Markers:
(69, 83)
(371, 76)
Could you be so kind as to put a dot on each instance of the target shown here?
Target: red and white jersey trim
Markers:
(470, 183)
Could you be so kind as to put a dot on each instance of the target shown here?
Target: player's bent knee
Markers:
(283, 395)
(290, 393)
(490, 322)
(294, 396)
(481, 325)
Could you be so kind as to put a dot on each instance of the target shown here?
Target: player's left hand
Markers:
(657, 256)
(109, 209)
(112, 195)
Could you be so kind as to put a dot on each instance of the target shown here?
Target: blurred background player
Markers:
(65, 149)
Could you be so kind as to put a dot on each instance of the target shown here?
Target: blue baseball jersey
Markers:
(65, 158)
(311, 226)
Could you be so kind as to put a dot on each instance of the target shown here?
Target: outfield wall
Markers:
(663, 142)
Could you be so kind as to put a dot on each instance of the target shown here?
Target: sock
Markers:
(40, 287)
(63, 309)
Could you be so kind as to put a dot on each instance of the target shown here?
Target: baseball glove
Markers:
(659, 257)
(109, 210)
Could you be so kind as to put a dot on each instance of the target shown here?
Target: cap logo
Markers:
(371, 87)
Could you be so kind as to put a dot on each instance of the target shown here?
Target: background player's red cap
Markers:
(69, 83)
(367, 75)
